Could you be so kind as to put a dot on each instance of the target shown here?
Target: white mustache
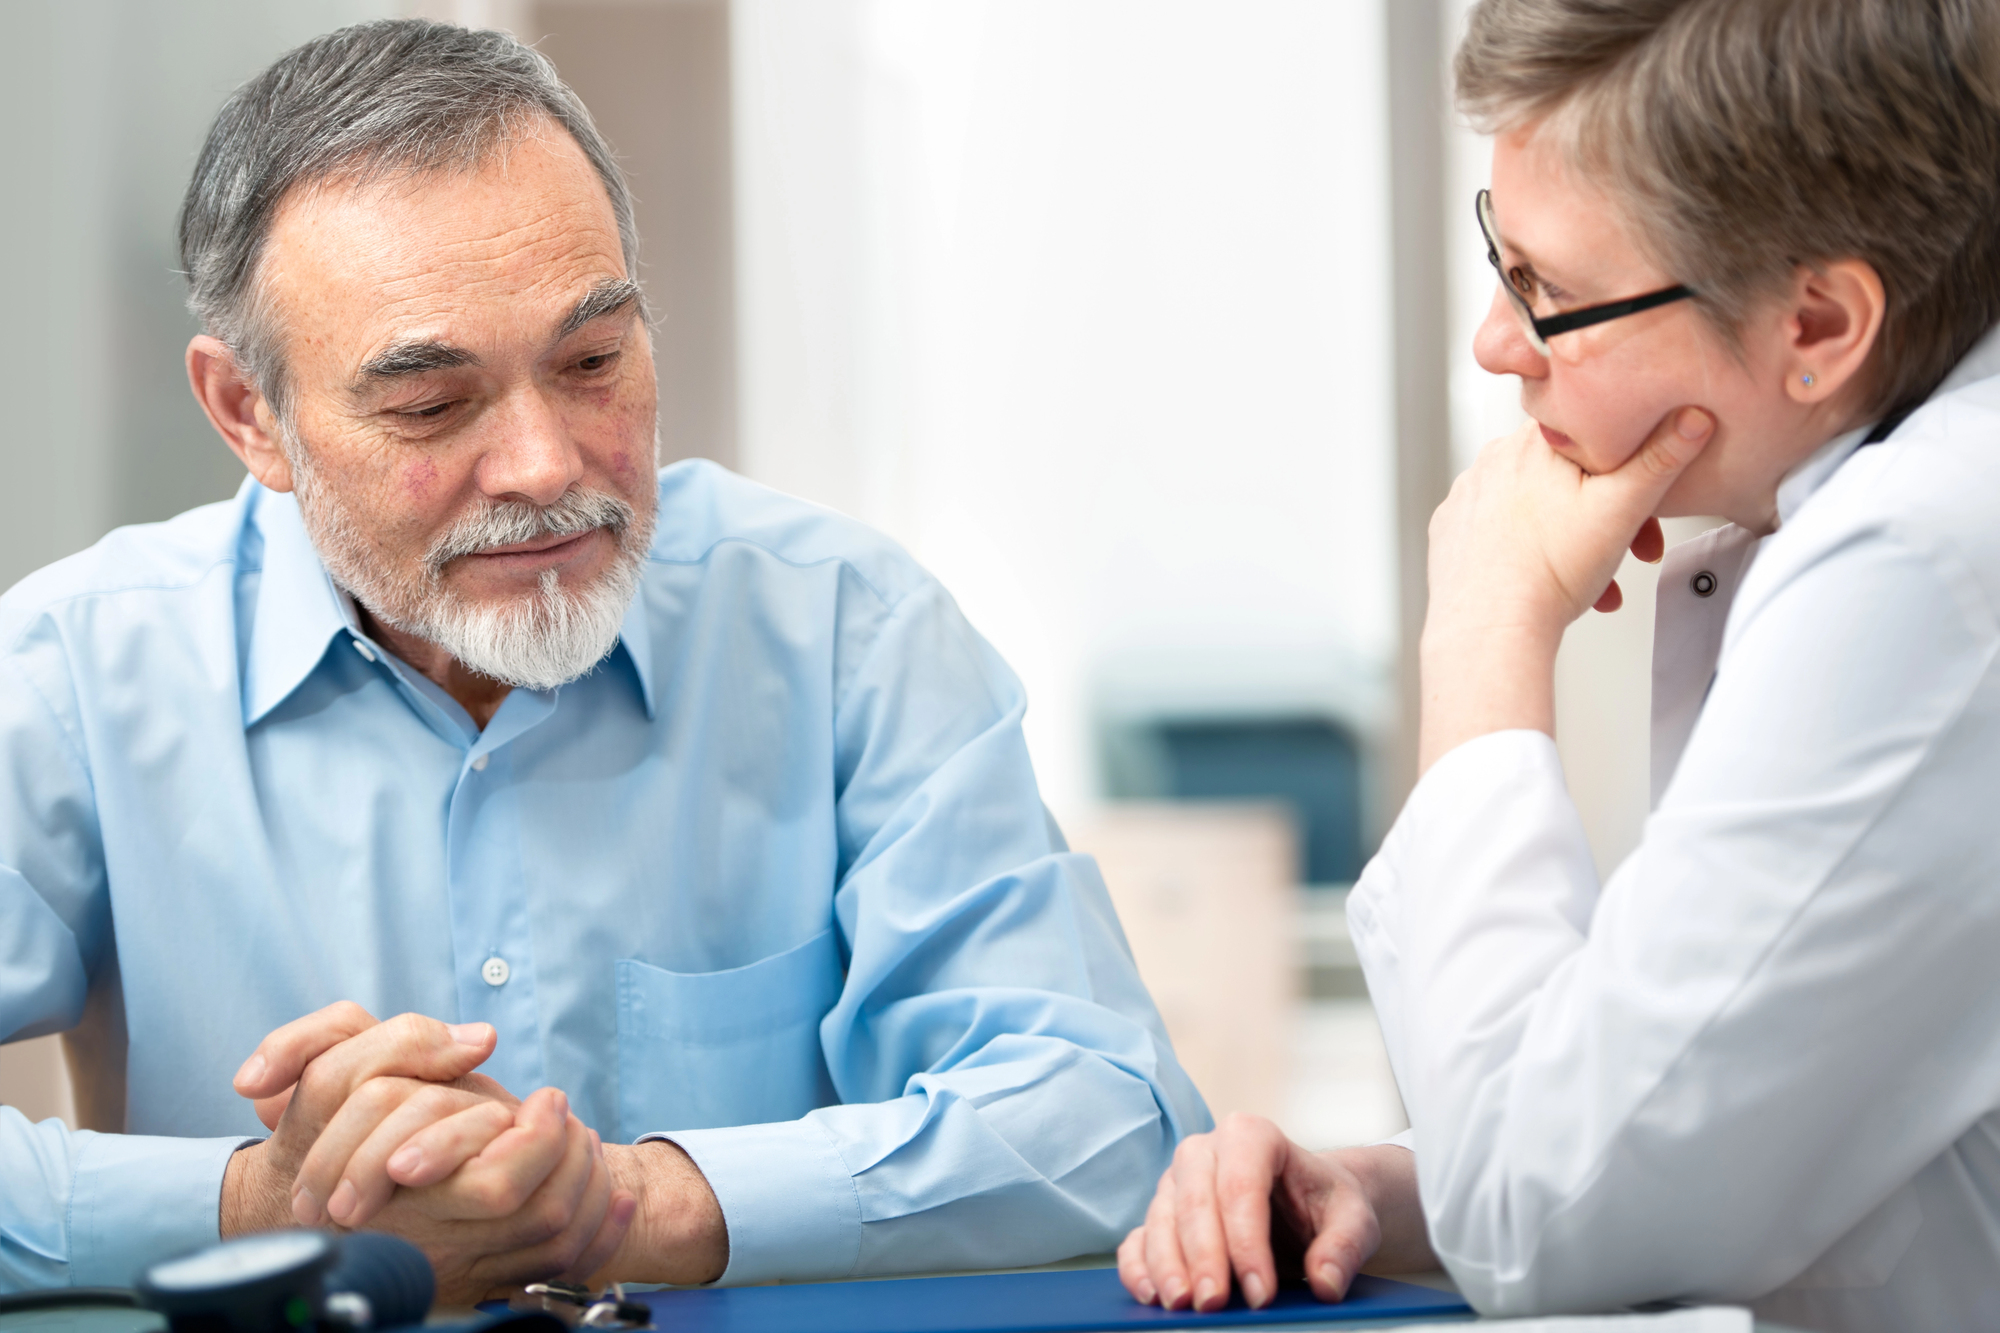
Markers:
(511, 522)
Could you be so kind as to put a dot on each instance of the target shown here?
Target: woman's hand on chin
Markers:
(1246, 1202)
(1526, 542)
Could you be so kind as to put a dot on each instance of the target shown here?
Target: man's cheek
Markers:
(420, 479)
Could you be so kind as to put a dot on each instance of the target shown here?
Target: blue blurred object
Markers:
(1310, 763)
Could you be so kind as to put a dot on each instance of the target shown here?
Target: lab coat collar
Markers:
(1800, 483)
(1981, 363)
(300, 609)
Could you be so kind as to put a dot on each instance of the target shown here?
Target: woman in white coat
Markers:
(1749, 254)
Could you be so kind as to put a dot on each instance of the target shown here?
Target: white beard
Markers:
(540, 641)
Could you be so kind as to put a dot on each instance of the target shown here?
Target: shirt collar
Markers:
(300, 610)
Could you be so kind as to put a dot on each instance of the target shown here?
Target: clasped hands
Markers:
(386, 1125)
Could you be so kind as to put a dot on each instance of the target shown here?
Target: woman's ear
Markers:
(1835, 316)
(237, 410)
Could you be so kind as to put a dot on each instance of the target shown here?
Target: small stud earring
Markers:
(1806, 379)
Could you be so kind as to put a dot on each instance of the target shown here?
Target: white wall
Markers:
(1084, 301)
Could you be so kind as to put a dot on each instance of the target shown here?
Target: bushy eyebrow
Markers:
(419, 356)
(415, 357)
(606, 298)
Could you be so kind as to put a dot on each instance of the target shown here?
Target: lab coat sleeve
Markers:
(1780, 1007)
(77, 1208)
(1009, 1095)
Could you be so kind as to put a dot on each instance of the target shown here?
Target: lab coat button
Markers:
(495, 971)
(1703, 584)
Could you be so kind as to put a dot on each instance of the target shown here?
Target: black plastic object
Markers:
(293, 1282)
(389, 1273)
(269, 1282)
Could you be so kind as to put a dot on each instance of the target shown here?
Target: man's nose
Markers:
(531, 456)
(1501, 347)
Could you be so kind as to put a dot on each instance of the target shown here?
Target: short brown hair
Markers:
(1749, 136)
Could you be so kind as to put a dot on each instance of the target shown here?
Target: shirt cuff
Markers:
(788, 1200)
(136, 1200)
(1406, 1139)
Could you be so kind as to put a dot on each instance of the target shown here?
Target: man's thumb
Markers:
(1676, 442)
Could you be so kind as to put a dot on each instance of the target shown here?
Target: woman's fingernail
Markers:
(1146, 1294)
(470, 1034)
(1694, 423)
(1204, 1294)
(406, 1160)
(341, 1205)
(252, 1072)
(305, 1207)
(1330, 1274)
(1172, 1292)
(1253, 1290)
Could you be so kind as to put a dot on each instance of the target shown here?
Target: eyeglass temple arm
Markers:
(1598, 314)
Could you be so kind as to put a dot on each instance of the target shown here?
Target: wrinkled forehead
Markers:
(480, 255)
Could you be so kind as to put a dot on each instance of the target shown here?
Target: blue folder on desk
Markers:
(1071, 1301)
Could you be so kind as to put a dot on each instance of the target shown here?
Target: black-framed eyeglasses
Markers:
(1519, 287)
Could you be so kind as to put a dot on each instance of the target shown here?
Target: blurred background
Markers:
(1145, 324)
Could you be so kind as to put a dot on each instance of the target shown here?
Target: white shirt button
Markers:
(479, 765)
(495, 971)
(363, 649)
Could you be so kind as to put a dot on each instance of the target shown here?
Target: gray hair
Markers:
(395, 96)
(1746, 137)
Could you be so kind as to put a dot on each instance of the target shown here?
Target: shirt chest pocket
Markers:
(698, 1050)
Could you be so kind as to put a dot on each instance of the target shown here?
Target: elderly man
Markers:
(697, 816)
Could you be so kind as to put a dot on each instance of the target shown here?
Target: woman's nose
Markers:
(1501, 347)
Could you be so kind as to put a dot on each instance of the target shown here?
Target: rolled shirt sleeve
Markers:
(1008, 1093)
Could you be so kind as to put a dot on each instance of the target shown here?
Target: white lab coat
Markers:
(1762, 1062)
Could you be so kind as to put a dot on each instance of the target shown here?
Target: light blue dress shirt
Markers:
(774, 881)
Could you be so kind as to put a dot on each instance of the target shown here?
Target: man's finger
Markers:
(508, 1171)
(406, 1046)
(316, 1189)
(361, 1183)
(542, 1226)
(276, 1063)
(435, 1151)
(610, 1235)
(271, 1109)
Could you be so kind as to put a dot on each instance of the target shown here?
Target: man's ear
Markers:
(237, 410)
(1835, 317)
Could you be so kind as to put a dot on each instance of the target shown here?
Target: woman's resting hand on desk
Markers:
(1247, 1201)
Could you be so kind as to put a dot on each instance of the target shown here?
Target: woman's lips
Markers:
(1556, 439)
